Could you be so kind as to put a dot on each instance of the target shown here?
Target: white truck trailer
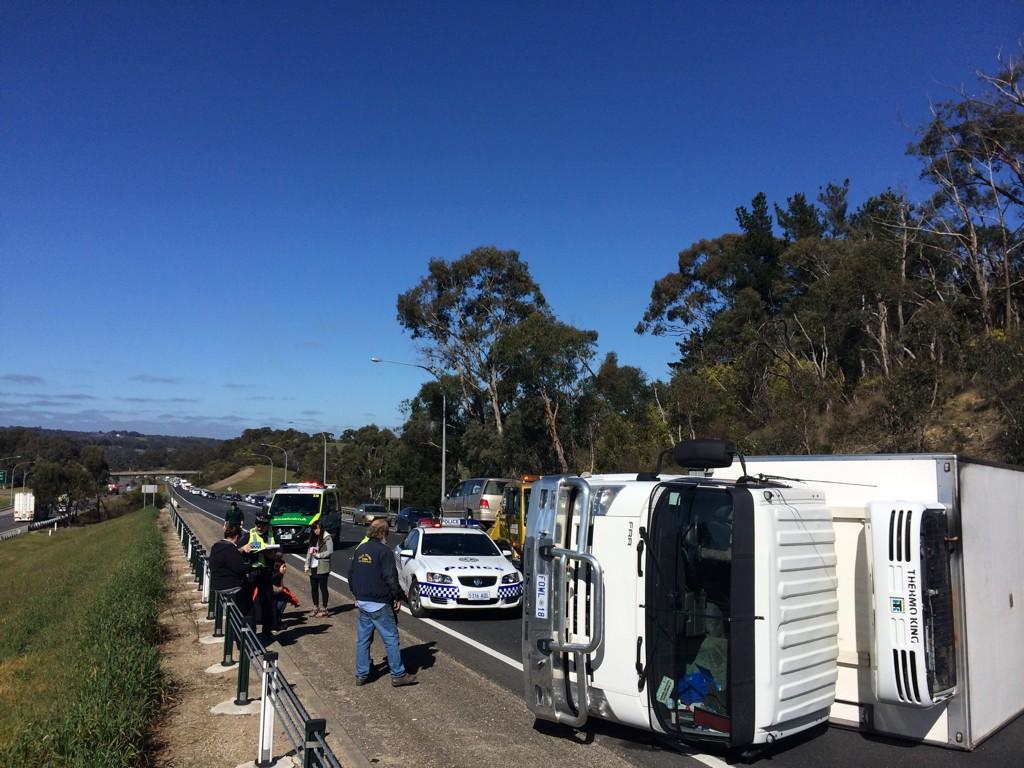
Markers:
(24, 507)
(878, 592)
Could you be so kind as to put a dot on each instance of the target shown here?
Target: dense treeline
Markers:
(58, 462)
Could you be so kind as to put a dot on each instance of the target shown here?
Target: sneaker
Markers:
(405, 679)
(362, 680)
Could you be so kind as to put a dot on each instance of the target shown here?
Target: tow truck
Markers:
(743, 605)
(296, 506)
(509, 529)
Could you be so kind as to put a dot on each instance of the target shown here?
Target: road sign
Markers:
(393, 492)
(149, 489)
(3, 476)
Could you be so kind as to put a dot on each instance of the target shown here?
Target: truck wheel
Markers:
(415, 601)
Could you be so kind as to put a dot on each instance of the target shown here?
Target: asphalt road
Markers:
(489, 643)
(7, 521)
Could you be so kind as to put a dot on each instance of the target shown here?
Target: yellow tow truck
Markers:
(510, 523)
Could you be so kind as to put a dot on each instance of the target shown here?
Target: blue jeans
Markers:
(384, 622)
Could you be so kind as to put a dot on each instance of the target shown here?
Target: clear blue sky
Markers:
(207, 210)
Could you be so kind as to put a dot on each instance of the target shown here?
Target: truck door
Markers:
(563, 620)
(699, 613)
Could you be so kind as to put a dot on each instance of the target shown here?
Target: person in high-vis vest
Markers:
(261, 559)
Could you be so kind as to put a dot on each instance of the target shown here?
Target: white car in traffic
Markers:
(448, 567)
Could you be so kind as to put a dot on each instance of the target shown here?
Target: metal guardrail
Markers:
(37, 525)
(13, 532)
(277, 699)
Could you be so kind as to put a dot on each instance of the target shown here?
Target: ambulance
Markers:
(296, 506)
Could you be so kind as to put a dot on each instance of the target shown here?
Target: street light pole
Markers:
(444, 417)
(324, 434)
(23, 474)
(271, 445)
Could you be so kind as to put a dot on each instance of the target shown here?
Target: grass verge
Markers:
(79, 665)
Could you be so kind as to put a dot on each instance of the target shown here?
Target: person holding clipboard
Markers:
(262, 552)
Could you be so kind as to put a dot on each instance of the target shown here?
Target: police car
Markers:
(444, 567)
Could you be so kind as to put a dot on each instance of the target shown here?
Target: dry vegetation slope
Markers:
(242, 474)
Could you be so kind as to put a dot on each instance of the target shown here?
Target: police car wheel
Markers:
(415, 601)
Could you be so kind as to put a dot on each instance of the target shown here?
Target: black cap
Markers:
(262, 519)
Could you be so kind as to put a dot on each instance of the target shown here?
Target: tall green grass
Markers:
(79, 664)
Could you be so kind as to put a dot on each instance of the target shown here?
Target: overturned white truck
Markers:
(877, 592)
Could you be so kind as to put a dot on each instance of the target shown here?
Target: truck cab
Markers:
(723, 596)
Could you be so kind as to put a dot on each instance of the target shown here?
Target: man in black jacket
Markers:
(229, 571)
(373, 579)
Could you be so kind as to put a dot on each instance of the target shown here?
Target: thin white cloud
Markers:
(145, 378)
(22, 378)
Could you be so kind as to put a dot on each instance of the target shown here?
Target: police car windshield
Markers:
(459, 544)
(295, 504)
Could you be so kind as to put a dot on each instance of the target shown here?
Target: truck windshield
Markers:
(295, 504)
(689, 579)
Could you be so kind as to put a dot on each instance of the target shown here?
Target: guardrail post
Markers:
(188, 553)
(242, 693)
(229, 639)
(200, 569)
(265, 750)
(218, 618)
(206, 586)
(315, 727)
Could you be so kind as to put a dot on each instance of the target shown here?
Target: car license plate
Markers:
(479, 595)
(285, 536)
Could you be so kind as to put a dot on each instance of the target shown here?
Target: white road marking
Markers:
(709, 760)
